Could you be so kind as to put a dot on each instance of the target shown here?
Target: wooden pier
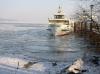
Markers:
(83, 28)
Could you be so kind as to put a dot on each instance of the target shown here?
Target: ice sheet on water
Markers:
(13, 63)
(8, 65)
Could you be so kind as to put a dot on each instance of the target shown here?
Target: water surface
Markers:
(33, 42)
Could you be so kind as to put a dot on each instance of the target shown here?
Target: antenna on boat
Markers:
(59, 10)
(60, 6)
(60, 3)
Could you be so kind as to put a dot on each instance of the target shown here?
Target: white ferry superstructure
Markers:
(59, 25)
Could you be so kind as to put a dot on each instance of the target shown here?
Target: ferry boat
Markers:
(59, 25)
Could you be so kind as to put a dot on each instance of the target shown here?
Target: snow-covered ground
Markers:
(10, 65)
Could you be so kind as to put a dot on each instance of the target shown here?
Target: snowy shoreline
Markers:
(10, 65)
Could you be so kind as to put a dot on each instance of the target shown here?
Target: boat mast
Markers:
(60, 3)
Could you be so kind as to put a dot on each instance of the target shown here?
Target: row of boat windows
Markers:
(62, 21)
(59, 16)
(59, 25)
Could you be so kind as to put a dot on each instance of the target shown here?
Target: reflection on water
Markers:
(37, 43)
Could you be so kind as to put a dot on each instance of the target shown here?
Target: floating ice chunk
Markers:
(76, 67)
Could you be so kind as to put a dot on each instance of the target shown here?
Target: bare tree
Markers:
(86, 12)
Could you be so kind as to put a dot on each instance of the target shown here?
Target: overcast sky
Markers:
(34, 11)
